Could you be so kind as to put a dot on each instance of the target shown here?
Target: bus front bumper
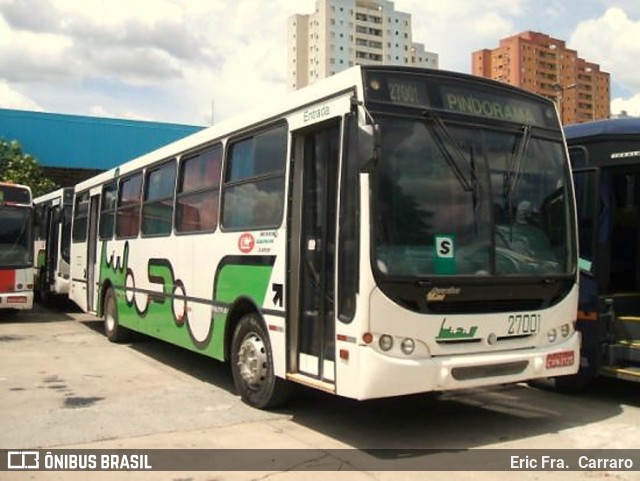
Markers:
(17, 300)
(384, 376)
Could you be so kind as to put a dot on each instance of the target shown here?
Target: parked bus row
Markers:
(386, 231)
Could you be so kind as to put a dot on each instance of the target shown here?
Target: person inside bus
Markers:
(528, 238)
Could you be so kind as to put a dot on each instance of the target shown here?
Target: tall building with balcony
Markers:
(544, 65)
(343, 33)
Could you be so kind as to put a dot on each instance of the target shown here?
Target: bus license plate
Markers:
(560, 359)
(17, 300)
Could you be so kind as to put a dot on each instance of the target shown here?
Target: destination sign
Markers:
(474, 97)
(482, 104)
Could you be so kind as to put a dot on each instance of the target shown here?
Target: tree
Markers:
(21, 168)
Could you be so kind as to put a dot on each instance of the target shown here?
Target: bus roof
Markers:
(348, 80)
(345, 80)
(64, 193)
(603, 128)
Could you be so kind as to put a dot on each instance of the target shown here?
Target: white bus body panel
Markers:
(430, 367)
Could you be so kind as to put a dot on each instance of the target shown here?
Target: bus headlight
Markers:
(552, 335)
(385, 342)
(565, 330)
(407, 346)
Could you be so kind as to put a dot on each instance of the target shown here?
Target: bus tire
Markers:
(112, 328)
(252, 365)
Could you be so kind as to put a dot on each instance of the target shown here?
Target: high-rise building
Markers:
(542, 64)
(343, 33)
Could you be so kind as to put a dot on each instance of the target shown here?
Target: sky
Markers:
(201, 61)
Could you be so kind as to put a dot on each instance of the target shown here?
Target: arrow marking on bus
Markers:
(277, 296)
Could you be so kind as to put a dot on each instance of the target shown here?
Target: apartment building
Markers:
(544, 65)
(343, 33)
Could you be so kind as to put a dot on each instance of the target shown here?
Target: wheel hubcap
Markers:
(252, 361)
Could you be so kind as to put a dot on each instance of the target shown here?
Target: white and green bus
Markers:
(383, 232)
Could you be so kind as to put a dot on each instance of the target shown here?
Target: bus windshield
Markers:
(15, 236)
(460, 199)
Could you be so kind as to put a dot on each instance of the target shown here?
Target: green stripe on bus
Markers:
(235, 281)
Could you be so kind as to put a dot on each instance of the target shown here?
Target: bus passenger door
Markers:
(92, 246)
(312, 244)
(47, 269)
(591, 228)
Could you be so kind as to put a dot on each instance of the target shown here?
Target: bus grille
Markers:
(491, 370)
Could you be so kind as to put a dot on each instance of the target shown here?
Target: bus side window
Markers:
(80, 216)
(108, 211)
(157, 212)
(198, 191)
(253, 195)
(128, 213)
(578, 156)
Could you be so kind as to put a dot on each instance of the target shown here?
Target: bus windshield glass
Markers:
(15, 236)
(452, 198)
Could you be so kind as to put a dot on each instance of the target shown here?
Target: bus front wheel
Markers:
(112, 328)
(252, 365)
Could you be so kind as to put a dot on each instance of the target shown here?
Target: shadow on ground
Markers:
(457, 420)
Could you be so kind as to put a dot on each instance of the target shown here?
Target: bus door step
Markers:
(627, 373)
(627, 327)
(313, 382)
(623, 352)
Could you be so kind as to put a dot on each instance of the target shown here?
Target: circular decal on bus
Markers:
(129, 287)
(246, 243)
(179, 303)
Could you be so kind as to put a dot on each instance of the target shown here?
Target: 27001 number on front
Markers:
(523, 324)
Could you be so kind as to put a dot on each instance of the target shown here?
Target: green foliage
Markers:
(21, 168)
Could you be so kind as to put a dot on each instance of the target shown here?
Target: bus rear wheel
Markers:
(112, 328)
(252, 365)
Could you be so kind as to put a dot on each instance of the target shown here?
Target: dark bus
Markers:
(605, 158)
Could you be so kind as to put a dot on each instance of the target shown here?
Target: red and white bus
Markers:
(16, 247)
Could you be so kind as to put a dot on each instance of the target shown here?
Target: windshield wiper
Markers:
(514, 172)
(515, 167)
(452, 153)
